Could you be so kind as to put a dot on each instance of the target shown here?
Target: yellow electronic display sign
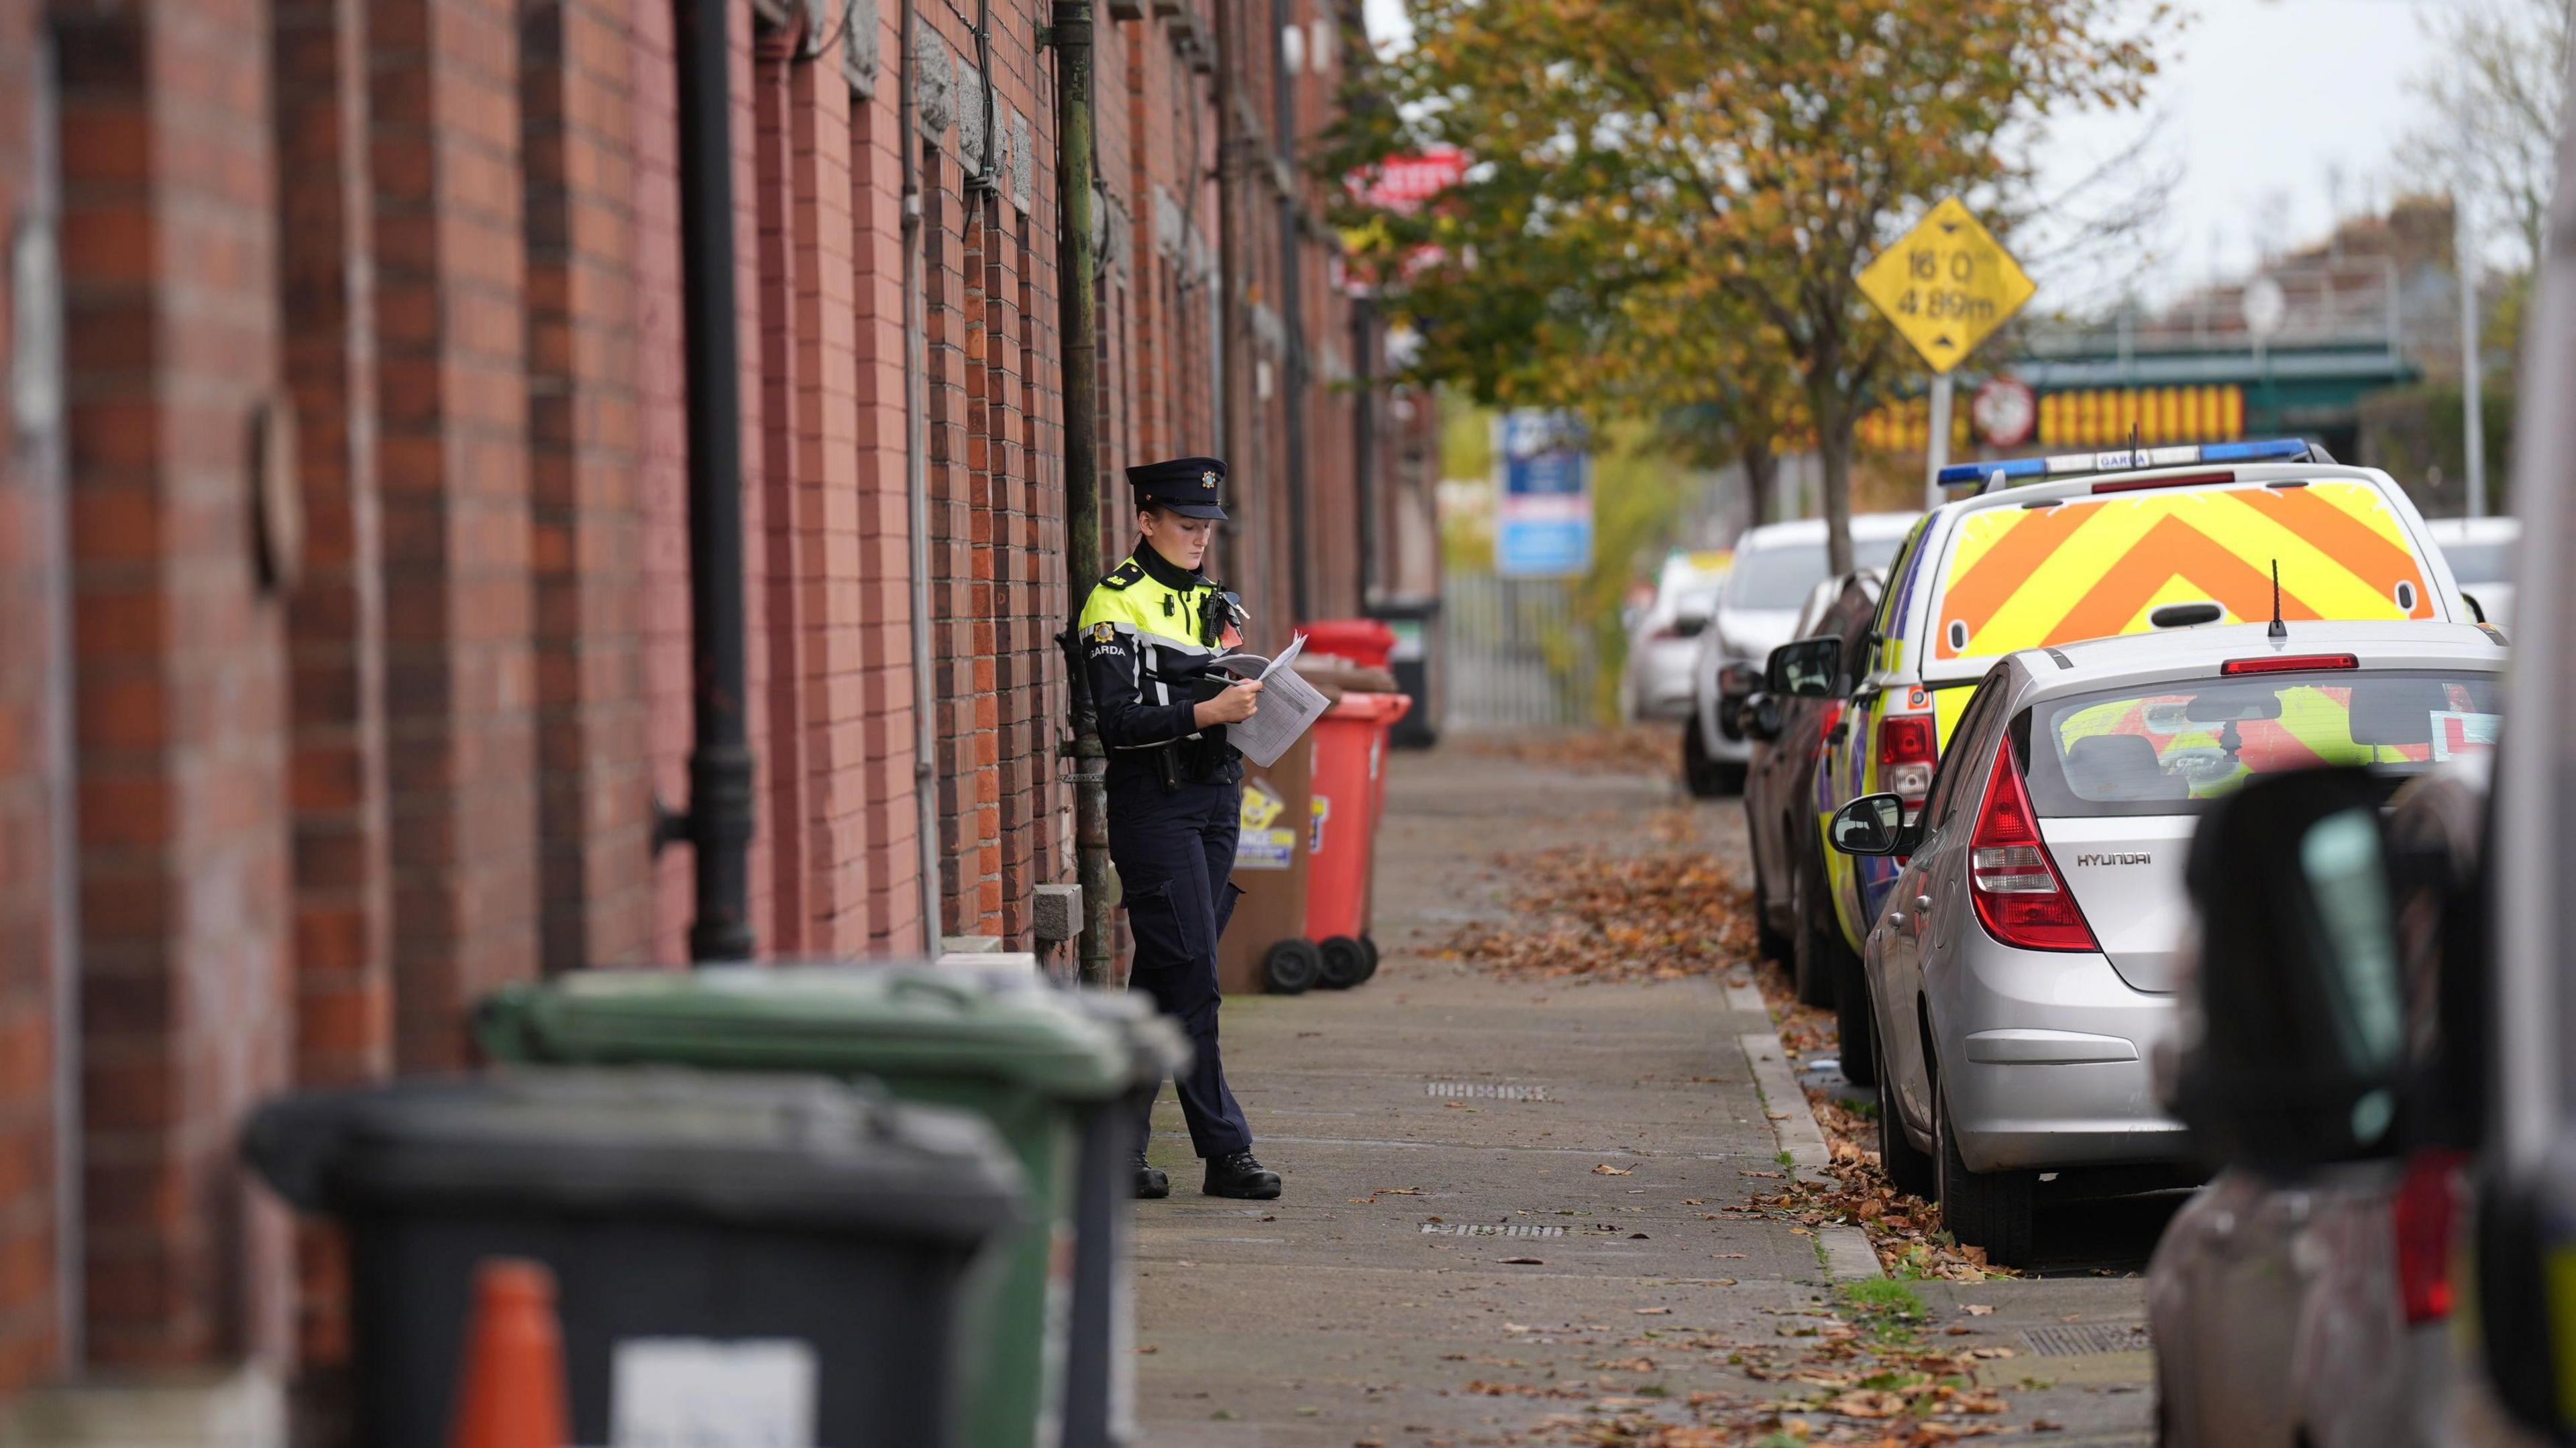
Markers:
(2100, 417)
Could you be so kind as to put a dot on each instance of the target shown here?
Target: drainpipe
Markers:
(1234, 338)
(1364, 435)
(1283, 87)
(718, 823)
(916, 483)
(1078, 324)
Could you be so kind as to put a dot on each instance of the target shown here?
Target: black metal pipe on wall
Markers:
(719, 820)
(1292, 305)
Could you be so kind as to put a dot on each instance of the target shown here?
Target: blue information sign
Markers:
(1543, 514)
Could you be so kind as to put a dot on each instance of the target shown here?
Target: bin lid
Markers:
(1376, 708)
(893, 1021)
(1361, 640)
(748, 1150)
(1156, 1045)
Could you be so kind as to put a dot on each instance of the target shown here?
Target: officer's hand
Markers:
(1237, 703)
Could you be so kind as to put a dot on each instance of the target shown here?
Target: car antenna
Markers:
(2278, 630)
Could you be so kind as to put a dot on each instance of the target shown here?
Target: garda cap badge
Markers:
(1207, 480)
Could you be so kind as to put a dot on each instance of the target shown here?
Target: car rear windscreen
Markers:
(1783, 575)
(2092, 566)
(2169, 748)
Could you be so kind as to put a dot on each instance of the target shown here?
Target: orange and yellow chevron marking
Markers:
(2093, 567)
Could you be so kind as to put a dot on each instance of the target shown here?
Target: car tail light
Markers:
(2020, 897)
(2289, 664)
(1905, 754)
(2427, 1205)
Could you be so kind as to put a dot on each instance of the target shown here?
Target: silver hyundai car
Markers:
(2024, 966)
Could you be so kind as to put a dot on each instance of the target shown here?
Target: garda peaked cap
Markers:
(1191, 487)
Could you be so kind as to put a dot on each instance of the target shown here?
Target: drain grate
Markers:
(1487, 1091)
(2085, 1338)
(1488, 1229)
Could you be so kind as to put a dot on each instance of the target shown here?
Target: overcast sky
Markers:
(2258, 101)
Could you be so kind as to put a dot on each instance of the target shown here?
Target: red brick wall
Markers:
(31, 617)
(181, 662)
(310, 824)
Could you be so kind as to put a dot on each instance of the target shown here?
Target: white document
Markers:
(1288, 705)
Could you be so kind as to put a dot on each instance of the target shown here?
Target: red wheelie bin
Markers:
(1348, 798)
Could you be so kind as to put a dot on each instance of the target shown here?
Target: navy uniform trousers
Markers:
(1174, 849)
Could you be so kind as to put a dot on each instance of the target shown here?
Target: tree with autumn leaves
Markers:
(1669, 201)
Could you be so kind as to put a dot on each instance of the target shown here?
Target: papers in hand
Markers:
(1288, 705)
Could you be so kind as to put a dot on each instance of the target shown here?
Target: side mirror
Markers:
(1873, 824)
(1810, 668)
(1759, 718)
(2477, 610)
(2294, 1026)
(1690, 625)
(1738, 681)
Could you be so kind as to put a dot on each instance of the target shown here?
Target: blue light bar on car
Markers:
(2286, 449)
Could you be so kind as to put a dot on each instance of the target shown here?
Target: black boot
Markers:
(1238, 1175)
(1151, 1184)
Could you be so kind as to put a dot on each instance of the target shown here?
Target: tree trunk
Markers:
(1761, 481)
(1833, 415)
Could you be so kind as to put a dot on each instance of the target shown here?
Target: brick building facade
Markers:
(345, 639)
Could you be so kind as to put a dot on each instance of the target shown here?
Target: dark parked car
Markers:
(1788, 733)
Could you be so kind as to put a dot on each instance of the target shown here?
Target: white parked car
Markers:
(1664, 638)
(2480, 551)
(1778, 567)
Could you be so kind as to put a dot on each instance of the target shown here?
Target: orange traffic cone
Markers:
(510, 1388)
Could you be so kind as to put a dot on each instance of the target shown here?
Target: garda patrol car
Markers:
(2054, 550)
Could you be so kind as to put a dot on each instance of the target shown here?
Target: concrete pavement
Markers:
(1504, 1211)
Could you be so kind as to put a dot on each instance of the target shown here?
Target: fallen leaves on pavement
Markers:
(1587, 914)
(1631, 749)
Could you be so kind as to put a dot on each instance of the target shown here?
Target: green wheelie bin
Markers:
(1026, 1062)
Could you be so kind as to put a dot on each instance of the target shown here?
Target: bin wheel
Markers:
(1292, 967)
(1346, 962)
(1369, 944)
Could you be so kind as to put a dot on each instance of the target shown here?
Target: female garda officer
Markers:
(1149, 631)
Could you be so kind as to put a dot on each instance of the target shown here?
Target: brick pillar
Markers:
(1007, 618)
(825, 516)
(977, 782)
(945, 268)
(594, 795)
(453, 466)
(887, 696)
(811, 492)
(33, 763)
(170, 268)
(772, 469)
(661, 465)
(335, 616)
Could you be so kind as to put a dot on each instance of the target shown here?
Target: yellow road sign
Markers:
(1946, 285)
